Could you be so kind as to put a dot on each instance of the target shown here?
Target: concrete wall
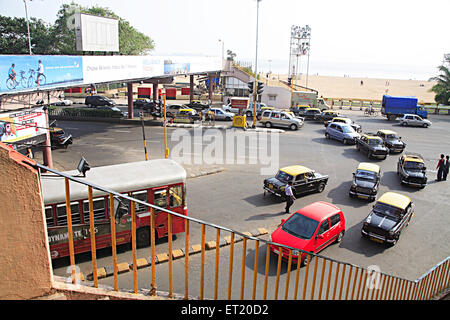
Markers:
(25, 267)
(282, 97)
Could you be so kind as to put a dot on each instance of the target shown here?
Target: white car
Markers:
(220, 114)
(414, 120)
(62, 103)
(228, 108)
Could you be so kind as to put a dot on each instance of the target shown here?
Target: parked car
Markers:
(414, 120)
(98, 100)
(389, 217)
(59, 139)
(392, 141)
(310, 229)
(115, 109)
(64, 102)
(228, 108)
(341, 132)
(346, 120)
(411, 170)
(366, 180)
(220, 114)
(303, 180)
(186, 115)
(196, 105)
(260, 107)
(272, 118)
(300, 110)
(372, 145)
(312, 113)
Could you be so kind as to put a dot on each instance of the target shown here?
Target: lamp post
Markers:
(28, 26)
(255, 87)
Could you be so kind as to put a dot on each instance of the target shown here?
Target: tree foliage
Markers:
(59, 38)
(442, 87)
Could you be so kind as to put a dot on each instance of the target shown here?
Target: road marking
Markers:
(105, 138)
(122, 131)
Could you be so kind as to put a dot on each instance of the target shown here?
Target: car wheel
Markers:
(369, 154)
(340, 236)
(293, 127)
(248, 114)
(304, 262)
(320, 187)
(395, 240)
(425, 125)
(227, 119)
(268, 125)
(404, 124)
(357, 147)
(327, 135)
(345, 141)
(143, 237)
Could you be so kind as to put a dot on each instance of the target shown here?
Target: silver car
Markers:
(414, 120)
(275, 118)
(220, 114)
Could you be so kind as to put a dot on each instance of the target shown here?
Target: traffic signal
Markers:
(289, 81)
(250, 87)
(260, 88)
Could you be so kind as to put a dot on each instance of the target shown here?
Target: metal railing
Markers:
(338, 280)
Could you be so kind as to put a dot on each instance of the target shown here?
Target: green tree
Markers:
(442, 87)
(14, 39)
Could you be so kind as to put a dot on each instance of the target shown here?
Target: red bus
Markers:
(160, 182)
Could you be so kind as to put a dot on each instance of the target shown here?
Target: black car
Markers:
(59, 139)
(140, 103)
(116, 111)
(392, 141)
(98, 101)
(372, 145)
(312, 114)
(366, 180)
(197, 106)
(412, 171)
(388, 218)
(303, 179)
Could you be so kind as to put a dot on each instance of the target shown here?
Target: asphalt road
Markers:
(234, 198)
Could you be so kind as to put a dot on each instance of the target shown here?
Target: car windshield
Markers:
(300, 226)
(413, 165)
(347, 129)
(366, 175)
(391, 137)
(283, 176)
(375, 142)
(384, 209)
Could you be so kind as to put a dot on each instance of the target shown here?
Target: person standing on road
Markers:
(289, 196)
(446, 168)
(440, 168)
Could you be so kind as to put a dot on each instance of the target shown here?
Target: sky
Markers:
(397, 39)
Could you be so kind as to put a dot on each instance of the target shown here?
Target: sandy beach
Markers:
(371, 88)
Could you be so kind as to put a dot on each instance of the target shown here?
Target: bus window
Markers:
(62, 215)
(175, 196)
(140, 195)
(99, 211)
(160, 198)
(49, 217)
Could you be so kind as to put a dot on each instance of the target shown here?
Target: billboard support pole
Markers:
(130, 99)
(47, 149)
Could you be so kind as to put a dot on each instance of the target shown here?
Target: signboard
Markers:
(23, 125)
(93, 33)
(21, 73)
(239, 103)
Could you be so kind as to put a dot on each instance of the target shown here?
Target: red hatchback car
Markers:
(311, 229)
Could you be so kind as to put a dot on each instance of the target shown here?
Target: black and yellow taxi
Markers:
(372, 145)
(388, 218)
(303, 179)
(392, 141)
(58, 138)
(366, 180)
(411, 170)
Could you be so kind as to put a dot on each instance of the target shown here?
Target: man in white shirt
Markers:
(289, 196)
(40, 71)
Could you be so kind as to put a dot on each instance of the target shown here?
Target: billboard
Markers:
(27, 73)
(93, 33)
(23, 125)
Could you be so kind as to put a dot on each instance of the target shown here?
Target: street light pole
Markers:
(255, 87)
(28, 26)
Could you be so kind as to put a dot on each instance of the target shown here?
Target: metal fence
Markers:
(321, 278)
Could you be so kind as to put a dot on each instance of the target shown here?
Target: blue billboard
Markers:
(21, 73)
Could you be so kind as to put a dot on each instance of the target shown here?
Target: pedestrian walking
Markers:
(446, 168)
(289, 196)
(440, 168)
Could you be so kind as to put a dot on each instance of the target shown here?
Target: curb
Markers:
(124, 267)
(206, 172)
(223, 127)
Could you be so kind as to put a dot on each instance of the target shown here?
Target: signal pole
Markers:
(255, 94)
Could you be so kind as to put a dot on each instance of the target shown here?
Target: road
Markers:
(234, 197)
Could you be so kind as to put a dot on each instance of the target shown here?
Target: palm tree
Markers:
(442, 87)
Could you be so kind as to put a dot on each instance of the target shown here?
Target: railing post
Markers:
(288, 275)
(113, 240)
(230, 271)
(244, 253)
(266, 273)
(70, 231)
(92, 233)
(152, 252)
(216, 275)
(186, 259)
(255, 269)
(169, 222)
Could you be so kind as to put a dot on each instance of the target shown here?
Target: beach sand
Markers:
(373, 89)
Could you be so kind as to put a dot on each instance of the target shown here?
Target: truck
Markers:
(393, 107)
(305, 98)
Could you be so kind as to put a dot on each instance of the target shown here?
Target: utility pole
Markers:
(255, 87)
(28, 26)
